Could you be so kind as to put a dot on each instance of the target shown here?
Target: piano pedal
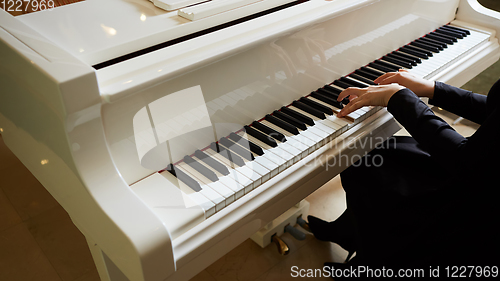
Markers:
(303, 224)
(283, 248)
(272, 232)
(297, 234)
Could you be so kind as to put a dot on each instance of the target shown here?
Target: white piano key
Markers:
(200, 200)
(256, 165)
(262, 171)
(227, 180)
(247, 171)
(305, 142)
(208, 192)
(271, 153)
(319, 135)
(292, 150)
(268, 164)
(286, 155)
(294, 141)
(246, 182)
(311, 140)
(217, 186)
(324, 128)
(342, 122)
(290, 137)
(325, 125)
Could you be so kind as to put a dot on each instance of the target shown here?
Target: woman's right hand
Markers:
(420, 86)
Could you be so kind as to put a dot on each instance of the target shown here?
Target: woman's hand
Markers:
(373, 95)
(420, 86)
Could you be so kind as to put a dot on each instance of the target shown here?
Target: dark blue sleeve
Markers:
(431, 132)
(474, 156)
(463, 103)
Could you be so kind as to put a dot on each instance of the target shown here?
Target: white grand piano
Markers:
(170, 137)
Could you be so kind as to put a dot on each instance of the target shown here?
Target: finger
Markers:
(352, 106)
(349, 91)
(384, 77)
(403, 70)
(352, 97)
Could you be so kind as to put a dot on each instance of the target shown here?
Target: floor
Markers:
(39, 242)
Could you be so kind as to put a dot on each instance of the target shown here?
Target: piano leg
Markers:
(107, 270)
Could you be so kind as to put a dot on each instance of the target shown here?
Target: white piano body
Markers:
(72, 124)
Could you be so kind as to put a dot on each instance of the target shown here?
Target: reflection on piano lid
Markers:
(139, 28)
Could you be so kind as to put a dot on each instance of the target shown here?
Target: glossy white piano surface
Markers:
(107, 132)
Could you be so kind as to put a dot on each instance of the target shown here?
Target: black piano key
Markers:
(282, 124)
(341, 84)
(247, 144)
(362, 79)
(439, 38)
(381, 68)
(428, 53)
(425, 47)
(327, 100)
(414, 53)
(235, 159)
(398, 62)
(271, 133)
(236, 149)
(180, 175)
(387, 65)
(432, 41)
(317, 106)
(435, 44)
(352, 82)
(457, 28)
(308, 120)
(200, 168)
(412, 62)
(334, 95)
(260, 136)
(444, 36)
(375, 72)
(450, 33)
(289, 119)
(211, 162)
(332, 90)
(464, 32)
(309, 109)
(330, 94)
(367, 75)
(407, 56)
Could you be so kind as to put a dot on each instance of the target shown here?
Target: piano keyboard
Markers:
(226, 170)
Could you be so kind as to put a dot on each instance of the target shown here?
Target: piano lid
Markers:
(96, 31)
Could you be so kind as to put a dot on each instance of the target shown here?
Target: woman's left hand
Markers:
(373, 95)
